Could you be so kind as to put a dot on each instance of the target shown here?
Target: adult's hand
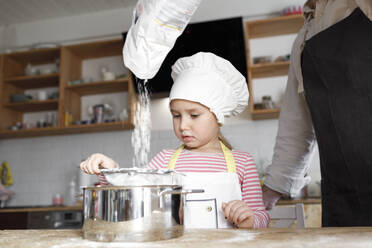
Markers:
(270, 197)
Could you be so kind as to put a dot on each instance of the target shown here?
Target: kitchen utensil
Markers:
(42, 95)
(98, 113)
(134, 213)
(106, 74)
(262, 59)
(141, 176)
(6, 177)
(20, 97)
(57, 200)
(267, 102)
(46, 71)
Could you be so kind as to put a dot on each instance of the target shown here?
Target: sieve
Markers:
(141, 176)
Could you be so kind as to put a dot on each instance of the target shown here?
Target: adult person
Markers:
(328, 100)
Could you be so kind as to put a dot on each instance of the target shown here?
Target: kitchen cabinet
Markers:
(13, 220)
(69, 59)
(41, 218)
(268, 28)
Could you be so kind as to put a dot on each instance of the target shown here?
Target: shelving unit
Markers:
(72, 59)
(100, 87)
(268, 28)
(33, 106)
(33, 82)
(13, 80)
(269, 69)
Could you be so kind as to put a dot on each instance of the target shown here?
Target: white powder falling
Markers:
(141, 134)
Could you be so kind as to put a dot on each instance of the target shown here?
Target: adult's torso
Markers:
(337, 75)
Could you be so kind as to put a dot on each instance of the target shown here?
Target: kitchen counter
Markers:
(271, 237)
(39, 209)
(80, 207)
(302, 200)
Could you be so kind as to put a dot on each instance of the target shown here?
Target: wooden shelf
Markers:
(13, 81)
(34, 106)
(97, 49)
(275, 26)
(110, 126)
(261, 114)
(73, 129)
(100, 87)
(270, 69)
(36, 56)
(268, 28)
(33, 82)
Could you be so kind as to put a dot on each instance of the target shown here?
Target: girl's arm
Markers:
(252, 194)
(94, 163)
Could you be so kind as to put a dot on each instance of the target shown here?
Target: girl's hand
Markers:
(95, 162)
(238, 213)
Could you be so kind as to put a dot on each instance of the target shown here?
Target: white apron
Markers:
(204, 210)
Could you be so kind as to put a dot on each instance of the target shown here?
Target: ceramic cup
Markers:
(42, 95)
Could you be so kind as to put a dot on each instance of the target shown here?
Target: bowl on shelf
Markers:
(20, 97)
(262, 59)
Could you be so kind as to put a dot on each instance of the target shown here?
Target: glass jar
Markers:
(267, 102)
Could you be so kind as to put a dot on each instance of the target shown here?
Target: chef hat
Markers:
(212, 81)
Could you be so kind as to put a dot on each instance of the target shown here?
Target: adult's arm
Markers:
(294, 143)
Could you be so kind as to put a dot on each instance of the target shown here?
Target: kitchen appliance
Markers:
(69, 219)
(134, 213)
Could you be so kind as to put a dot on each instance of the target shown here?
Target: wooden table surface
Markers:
(41, 209)
(226, 238)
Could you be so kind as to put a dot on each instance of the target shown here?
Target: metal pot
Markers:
(134, 213)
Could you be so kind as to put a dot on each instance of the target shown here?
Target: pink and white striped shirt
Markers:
(189, 161)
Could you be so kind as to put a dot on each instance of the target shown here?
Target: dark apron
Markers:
(337, 72)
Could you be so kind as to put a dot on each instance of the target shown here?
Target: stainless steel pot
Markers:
(133, 213)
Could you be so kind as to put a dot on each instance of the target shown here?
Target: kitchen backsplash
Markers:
(44, 166)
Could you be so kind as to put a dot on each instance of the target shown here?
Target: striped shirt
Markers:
(189, 161)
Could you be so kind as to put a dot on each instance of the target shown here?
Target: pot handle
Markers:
(182, 191)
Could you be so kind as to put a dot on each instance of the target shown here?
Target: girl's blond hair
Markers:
(224, 141)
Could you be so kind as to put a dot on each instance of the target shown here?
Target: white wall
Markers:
(42, 166)
(113, 22)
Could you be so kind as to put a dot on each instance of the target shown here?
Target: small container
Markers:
(267, 102)
(262, 59)
(42, 95)
(98, 113)
(57, 200)
(71, 194)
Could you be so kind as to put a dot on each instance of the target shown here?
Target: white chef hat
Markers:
(212, 81)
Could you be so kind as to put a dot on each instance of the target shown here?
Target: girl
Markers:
(206, 89)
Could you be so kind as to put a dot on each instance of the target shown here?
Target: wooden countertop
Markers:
(303, 200)
(271, 237)
(69, 208)
(41, 209)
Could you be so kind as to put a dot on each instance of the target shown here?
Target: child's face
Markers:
(194, 124)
